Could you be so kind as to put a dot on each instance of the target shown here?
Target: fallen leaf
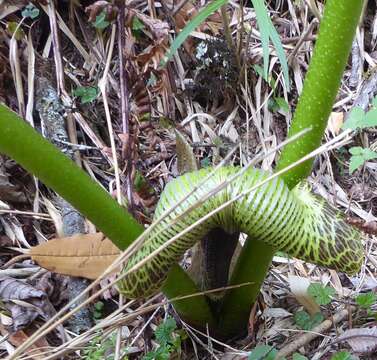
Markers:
(86, 256)
(362, 340)
(335, 122)
(23, 302)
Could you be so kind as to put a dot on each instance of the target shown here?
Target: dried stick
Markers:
(317, 331)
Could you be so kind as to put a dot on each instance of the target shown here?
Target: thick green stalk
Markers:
(27, 147)
(22, 143)
(322, 81)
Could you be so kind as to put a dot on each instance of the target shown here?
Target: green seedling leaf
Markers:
(297, 356)
(101, 22)
(191, 26)
(164, 331)
(283, 105)
(306, 322)
(359, 157)
(30, 11)
(370, 118)
(137, 25)
(343, 355)
(15, 30)
(205, 162)
(321, 294)
(355, 119)
(268, 32)
(365, 301)
(259, 71)
(263, 352)
(276, 104)
(99, 305)
(86, 93)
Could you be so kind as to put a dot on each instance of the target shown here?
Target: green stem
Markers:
(22, 143)
(322, 81)
(39, 157)
(238, 302)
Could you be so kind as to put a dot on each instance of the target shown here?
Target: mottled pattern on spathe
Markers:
(296, 222)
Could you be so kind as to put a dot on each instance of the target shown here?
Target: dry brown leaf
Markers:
(23, 301)
(36, 351)
(335, 122)
(80, 255)
(361, 340)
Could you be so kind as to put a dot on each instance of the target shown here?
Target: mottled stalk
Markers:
(22, 143)
(321, 84)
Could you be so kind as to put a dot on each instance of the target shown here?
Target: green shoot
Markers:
(359, 157)
(306, 322)
(321, 294)
(86, 93)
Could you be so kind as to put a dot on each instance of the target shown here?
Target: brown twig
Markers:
(124, 104)
(317, 331)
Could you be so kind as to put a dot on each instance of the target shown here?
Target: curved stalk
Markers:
(22, 143)
(322, 81)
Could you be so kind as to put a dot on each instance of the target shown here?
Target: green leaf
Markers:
(164, 331)
(99, 305)
(259, 71)
(137, 25)
(355, 119)
(306, 322)
(297, 356)
(15, 30)
(283, 105)
(343, 355)
(101, 22)
(263, 352)
(321, 294)
(359, 157)
(191, 26)
(30, 11)
(365, 301)
(358, 119)
(268, 31)
(86, 93)
(370, 118)
(374, 102)
(278, 103)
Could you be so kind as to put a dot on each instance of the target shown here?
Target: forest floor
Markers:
(60, 70)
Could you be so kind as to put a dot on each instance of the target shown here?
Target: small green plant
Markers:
(343, 355)
(359, 119)
(30, 11)
(100, 349)
(297, 356)
(101, 22)
(306, 322)
(263, 352)
(266, 352)
(98, 310)
(137, 27)
(86, 93)
(275, 102)
(359, 157)
(15, 30)
(321, 294)
(168, 339)
(365, 301)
